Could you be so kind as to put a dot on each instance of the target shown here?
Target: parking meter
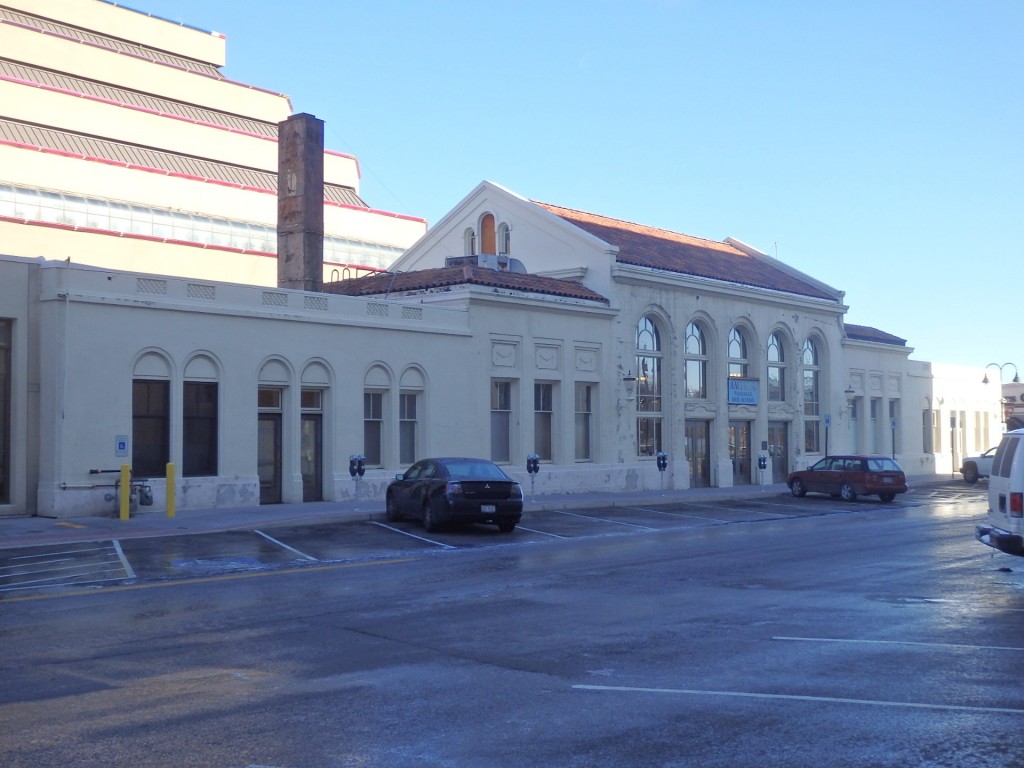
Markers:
(762, 462)
(662, 461)
(356, 468)
(533, 467)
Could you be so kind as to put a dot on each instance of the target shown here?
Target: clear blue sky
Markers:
(877, 145)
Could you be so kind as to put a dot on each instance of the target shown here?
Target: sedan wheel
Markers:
(798, 488)
(506, 527)
(392, 510)
(429, 518)
(886, 497)
(971, 474)
(847, 493)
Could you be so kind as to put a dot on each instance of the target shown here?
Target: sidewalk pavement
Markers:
(149, 522)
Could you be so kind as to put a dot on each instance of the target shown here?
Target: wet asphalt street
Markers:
(764, 632)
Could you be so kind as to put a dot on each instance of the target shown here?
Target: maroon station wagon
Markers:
(848, 477)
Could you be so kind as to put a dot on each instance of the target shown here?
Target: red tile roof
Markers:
(397, 283)
(662, 249)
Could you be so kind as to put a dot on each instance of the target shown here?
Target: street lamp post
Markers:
(1016, 377)
(1003, 415)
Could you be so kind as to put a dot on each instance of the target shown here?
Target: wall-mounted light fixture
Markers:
(1016, 378)
(630, 381)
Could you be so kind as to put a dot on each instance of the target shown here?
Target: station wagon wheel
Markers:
(847, 493)
(798, 488)
(886, 497)
(392, 509)
(429, 517)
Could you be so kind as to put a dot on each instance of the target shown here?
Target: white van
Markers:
(1004, 529)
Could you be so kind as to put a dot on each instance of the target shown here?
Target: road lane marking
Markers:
(797, 697)
(414, 536)
(124, 560)
(958, 646)
(272, 540)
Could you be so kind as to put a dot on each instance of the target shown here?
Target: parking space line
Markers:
(673, 513)
(798, 697)
(124, 560)
(272, 540)
(684, 514)
(957, 646)
(542, 533)
(414, 536)
(606, 520)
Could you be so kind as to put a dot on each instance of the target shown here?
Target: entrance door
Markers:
(312, 476)
(739, 451)
(778, 449)
(698, 453)
(268, 461)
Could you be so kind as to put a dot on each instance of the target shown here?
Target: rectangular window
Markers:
(812, 421)
(5, 411)
(150, 427)
(501, 421)
(937, 431)
(543, 413)
(199, 429)
(894, 432)
(873, 426)
(776, 383)
(584, 416)
(648, 406)
(696, 379)
(373, 428)
(407, 402)
(926, 430)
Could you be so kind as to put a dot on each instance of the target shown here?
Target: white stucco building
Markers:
(511, 327)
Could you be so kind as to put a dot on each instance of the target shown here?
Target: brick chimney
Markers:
(300, 203)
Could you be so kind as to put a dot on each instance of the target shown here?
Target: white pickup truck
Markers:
(975, 467)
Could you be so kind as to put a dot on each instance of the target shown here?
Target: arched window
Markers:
(504, 239)
(776, 369)
(469, 239)
(812, 398)
(696, 363)
(487, 234)
(648, 386)
(738, 363)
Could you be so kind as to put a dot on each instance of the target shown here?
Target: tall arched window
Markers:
(696, 353)
(776, 369)
(648, 386)
(487, 234)
(738, 363)
(469, 240)
(812, 398)
(504, 239)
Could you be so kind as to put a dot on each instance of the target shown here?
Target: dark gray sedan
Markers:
(456, 490)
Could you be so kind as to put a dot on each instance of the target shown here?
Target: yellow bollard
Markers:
(124, 502)
(170, 490)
